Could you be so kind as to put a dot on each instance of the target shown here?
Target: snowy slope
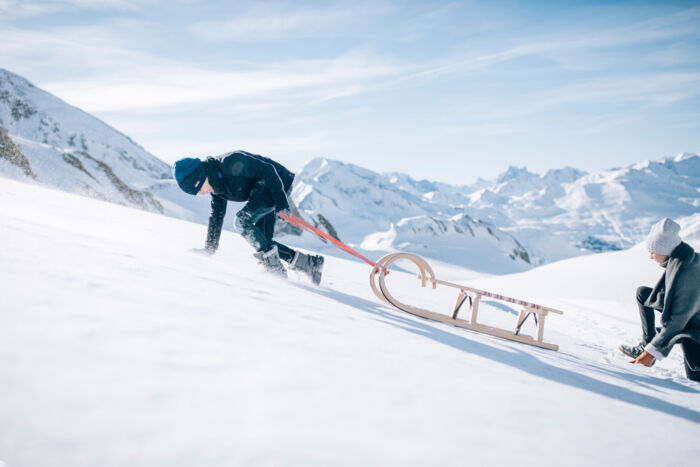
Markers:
(119, 346)
(64, 147)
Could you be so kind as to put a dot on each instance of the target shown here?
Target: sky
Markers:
(447, 91)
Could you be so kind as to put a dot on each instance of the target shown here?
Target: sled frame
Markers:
(466, 293)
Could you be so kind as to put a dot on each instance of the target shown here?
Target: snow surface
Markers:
(121, 347)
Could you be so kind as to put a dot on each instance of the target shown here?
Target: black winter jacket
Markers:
(233, 176)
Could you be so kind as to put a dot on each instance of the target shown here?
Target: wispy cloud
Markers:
(485, 128)
(260, 24)
(607, 122)
(677, 26)
(116, 77)
(635, 93)
(24, 8)
(19, 8)
(254, 28)
(168, 84)
(650, 89)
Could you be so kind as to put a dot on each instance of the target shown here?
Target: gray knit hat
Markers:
(663, 237)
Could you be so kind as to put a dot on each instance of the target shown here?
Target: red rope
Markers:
(311, 229)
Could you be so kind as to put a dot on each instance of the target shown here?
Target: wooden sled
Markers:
(426, 275)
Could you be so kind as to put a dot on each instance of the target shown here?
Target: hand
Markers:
(203, 251)
(287, 212)
(645, 359)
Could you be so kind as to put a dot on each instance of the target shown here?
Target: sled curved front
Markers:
(470, 294)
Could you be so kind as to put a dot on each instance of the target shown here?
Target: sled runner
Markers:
(539, 312)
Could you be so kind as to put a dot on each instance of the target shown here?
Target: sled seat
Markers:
(466, 293)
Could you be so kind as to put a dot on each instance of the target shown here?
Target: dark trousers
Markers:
(691, 352)
(646, 314)
(256, 222)
(691, 349)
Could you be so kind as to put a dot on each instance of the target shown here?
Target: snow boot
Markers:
(270, 260)
(632, 351)
(311, 265)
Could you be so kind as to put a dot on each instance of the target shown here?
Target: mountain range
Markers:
(534, 218)
(520, 220)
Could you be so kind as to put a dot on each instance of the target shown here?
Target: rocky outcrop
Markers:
(10, 152)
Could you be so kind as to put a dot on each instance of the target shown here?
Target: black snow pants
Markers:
(691, 349)
(256, 222)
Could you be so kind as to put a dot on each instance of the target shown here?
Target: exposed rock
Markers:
(142, 199)
(12, 153)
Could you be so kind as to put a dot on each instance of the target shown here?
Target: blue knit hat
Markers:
(190, 173)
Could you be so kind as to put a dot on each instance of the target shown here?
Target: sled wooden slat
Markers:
(533, 306)
(475, 308)
(379, 287)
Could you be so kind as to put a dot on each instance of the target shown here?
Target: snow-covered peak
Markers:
(563, 175)
(684, 156)
(514, 172)
(67, 148)
(395, 211)
(519, 181)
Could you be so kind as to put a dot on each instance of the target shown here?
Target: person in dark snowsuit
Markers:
(676, 296)
(265, 185)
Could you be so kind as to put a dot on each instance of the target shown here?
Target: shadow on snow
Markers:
(526, 361)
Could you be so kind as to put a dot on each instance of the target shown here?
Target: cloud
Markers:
(113, 76)
(28, 8)
(263, 22)
(676, 26)
(649, 89)
(161, 83)
(596, 105)
(175, 84)
(20, 8)
(485, 128)
(266, 27)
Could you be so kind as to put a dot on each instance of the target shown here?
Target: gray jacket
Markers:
(677, 295)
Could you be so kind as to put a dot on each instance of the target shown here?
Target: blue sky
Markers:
(448, 91)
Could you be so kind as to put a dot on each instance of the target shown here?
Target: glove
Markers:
(286, 211)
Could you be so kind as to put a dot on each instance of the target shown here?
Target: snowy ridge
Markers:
(597, 212)
(69, 149)
(158, 356)
(477, 244)
(559, 214)
(394, 212)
